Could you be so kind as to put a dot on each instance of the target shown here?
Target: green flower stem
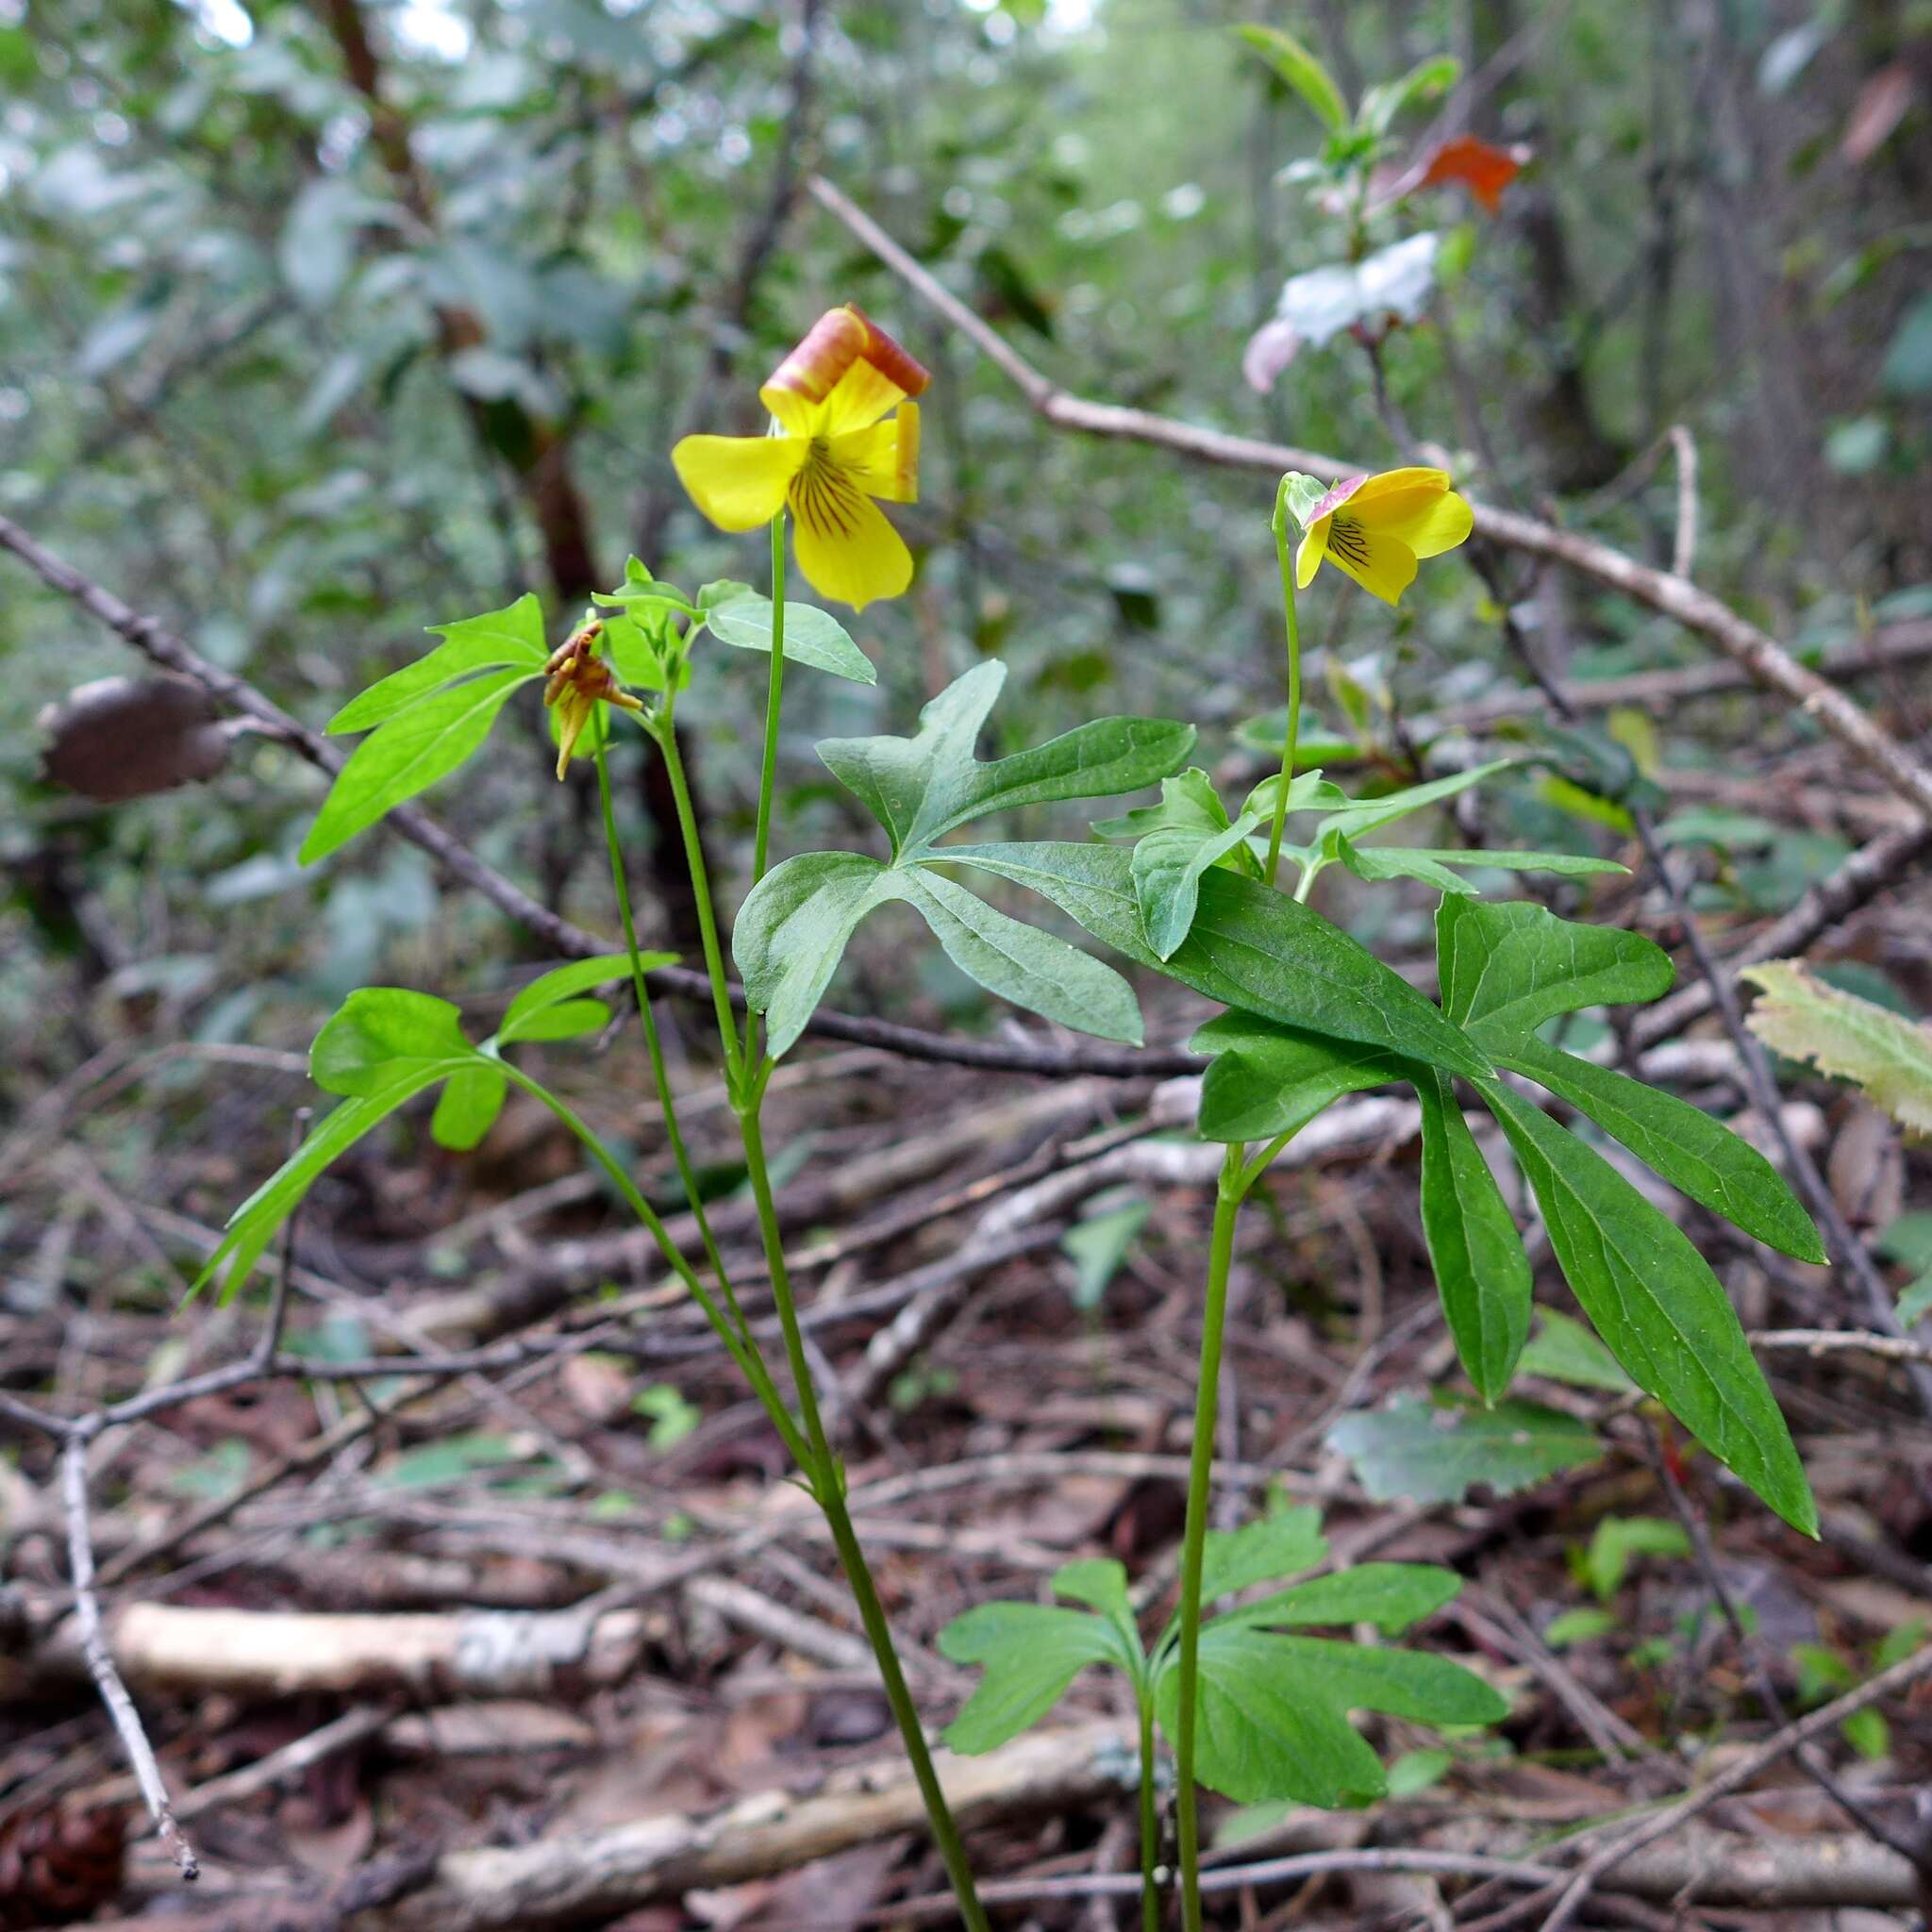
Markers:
(829, 1489)
(813, 1454)
(1286, 558)
(660, 1076)
(749, 1361)
(1227, 1201)
(1150, 1817)
(775, 694)
(664, 729)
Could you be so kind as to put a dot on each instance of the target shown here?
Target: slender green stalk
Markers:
(1150, 1817)
(813, 1454)
(1227, 1201)
(1285, 559)
(775, 694)
(829, 1488)
(660, 1076)
(664, 729)
(747, 1357)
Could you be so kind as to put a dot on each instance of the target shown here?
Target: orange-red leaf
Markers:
(1480, 165)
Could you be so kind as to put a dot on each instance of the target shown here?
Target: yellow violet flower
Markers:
(578, 681)
(1373, 528)
(835, 445)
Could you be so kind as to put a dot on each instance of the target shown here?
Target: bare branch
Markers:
(100, 1665)
(1671, 595)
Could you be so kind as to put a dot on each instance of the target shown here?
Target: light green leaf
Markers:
(1481, 1269)
(1392, 1596)
(1271, 1546)
(1424, 81)
(1437, 1451)
(472, 1098)
(1652, 1298)
(1032, 1653)
(1189, 803)
(407, 754)
(1578, 1626)
(1371, 814)
(1306, 792)
(1620, 1539)
(1167, 868)
(1507, 968)
(1032, 968)
(812, 636)
(1292, 63)
(255, 1224)
(1250, 947)
(792, 930)
(1100, 1583)
(1263, 1729)
(921, 787)
(564, 1020)
(1098, 1245)
(1272, 1718)
(513, 636)
(1268, 1080)
(1563, 1350)
(1698, 1156)
(1433, 867)
(1803, 1018)
(1377, 863)
(378, 1026)
(565, 982)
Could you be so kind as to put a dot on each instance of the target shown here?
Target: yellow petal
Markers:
(1397, 483)
(1427, 523)
(572, 714)
(1381, 564)
(795, 391)
(846, 548)
(1314, 546)
(738, 481)
(884, 460)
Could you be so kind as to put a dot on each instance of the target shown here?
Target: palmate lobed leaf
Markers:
(1392, 1596)
(1250, 947)
(795, 925)
(1437, 1451)
(1267, 1079)
(1654, 1301)
(1030, 1653)
(1273, 1711)
(1699, 1156)
(1506, 968)
(1482, 1268)
(921, 787)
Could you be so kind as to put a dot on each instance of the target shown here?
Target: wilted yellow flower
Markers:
(1374, 528)
(578, 682)
(835, 444)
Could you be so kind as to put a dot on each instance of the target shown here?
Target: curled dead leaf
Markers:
(123, 738)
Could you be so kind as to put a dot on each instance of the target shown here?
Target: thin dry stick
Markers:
(1670, 595)
(94, 1643)
(1815, 1724)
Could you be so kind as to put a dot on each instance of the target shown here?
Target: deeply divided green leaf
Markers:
(1652, 1298)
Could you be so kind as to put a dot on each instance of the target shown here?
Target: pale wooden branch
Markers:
(290, 1653)
(1670, 595)
(100, 1664)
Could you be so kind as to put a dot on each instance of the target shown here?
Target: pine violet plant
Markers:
(1184, 888)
